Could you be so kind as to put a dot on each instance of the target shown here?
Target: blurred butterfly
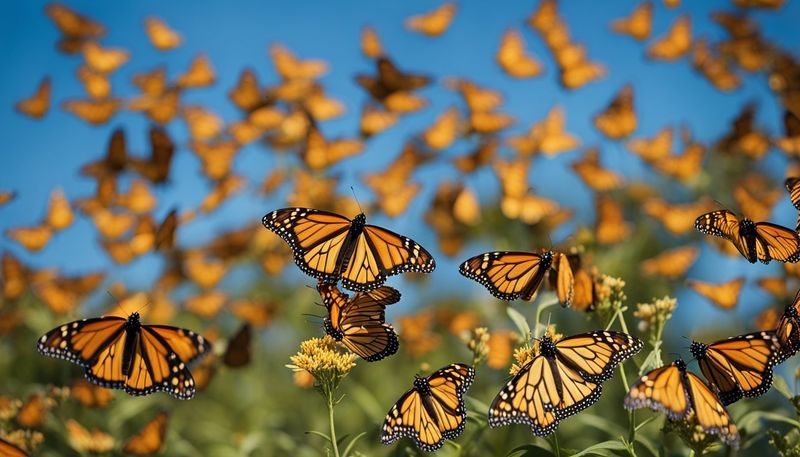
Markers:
(161, 108)
(454, 207)
(256, 312)
(675, 43)
(683, 166)
(375, 120)
(121, 353)
(203, 124)
(755, 194)
(216, 157)
(93, 441)
(90, 395)
(653, 149)
(581, 72)
(480, 156)
(788, 330)
(725, 295)
(8, 449)
(677, 219)
(238, 352)
(206, 272)
(563, 378)
(63, 294)
(610, 227)
(431, 411)
(790, 142)
(320, 106)
(59, 211)
(371, 45)
(744, 138)
(418, 334)
(75, 28)
(33, 239)
(735, 24)
(330, 247)
(37, 105)
(618, 120)
(96, 85)
(714, 67)
(593, 174)
(477, 98)
(774, 285)
(404, 102)
(247, 95)
(501, 347)
(513, 275)
(360, 323)
(161, 36)
(512, 58)
(6, 196)
(443, 131)
(138, 199)
(547, 137)
(150, 439)
(489, 122)
(752, 53)
(680, 394)
(33, 412)
(104, 60)
(762, 241)
(289, 67)
(672, 263)
(115, 159)
(95, 112)
(206, 304)
(199, 74)
(545, 16)
(390, 80)
(434, 23)
(639, 24)
(768, 4)
(738, 366)
(320, 153)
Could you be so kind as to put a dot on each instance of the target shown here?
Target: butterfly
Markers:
(33, 412)
(547, 137)
(238, 353)
(11, 450)
(639, 24)
(125, 354)
(330, 247)
(774, 285)
(104, 60)
(501, 347)
(199, 74)
(593, 174)
(360, 323)
(477, 98)
(93, 441)
(90, 395)
(652, 149)
(390, 80)
(714, 67)
(562, 379)
(371, 45)
(683, 166)
(63, 294)
(755, 195)
(788, 330)
(434, 23)
(203, 124)
(762, 241)
(744, 138)
(512, 58)
(216, 157)
(290, 67)
(725, 295)
(150, 439)
(610, 227)
(672, 263)
(431, 411)
(320, 153)
(38, 104)
(481, 156)
(677, 219)
(161, 36)
(95, 112)
(675, 43)
(375, 120)
(679, 394)
(33, 239)
(618, 120)
(790, 143)
(97, 85)
(75, 28)
(510, 275)
(443, 131)
(740, 365)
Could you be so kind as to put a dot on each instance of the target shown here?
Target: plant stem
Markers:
(620, 316)
(331, 404)
(554, 445)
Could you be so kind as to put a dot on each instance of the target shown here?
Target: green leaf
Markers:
(781, 386)
(320, 434)
(530, 450)
(352, 443)
(605, 448)
(519, 321)
(750, 419)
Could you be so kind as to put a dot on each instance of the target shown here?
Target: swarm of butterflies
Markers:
(562, 377)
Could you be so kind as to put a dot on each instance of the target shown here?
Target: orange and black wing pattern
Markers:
(10, 450)
(788, 331)
(360, 324)
(150, 439)
(762, 241)
(509, 275)
(431, 411)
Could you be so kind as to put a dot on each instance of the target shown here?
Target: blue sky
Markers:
(38, 156)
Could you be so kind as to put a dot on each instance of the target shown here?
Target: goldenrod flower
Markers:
(9, 408)
(610, 292)
(477, 341)
(654, 315)
(320, 357)
(526, 353)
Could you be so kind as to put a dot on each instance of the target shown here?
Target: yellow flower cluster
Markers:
(8, 408)
(320, 357)
(526, 353)
(477, 341)
(24, 439)
(691, 433)
(655, 314)
(610, 292)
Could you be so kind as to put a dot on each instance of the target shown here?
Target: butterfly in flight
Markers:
(740, 365)
(431, 411)
(360, 323)
(330, 247)
(150, 439)
(679, 394)
(787, 331)
(510, 275)
(121, 353)
(762, 241)
(563, 378)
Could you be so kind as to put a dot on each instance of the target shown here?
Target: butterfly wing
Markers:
(661, 390)
(315, 237)
(364, 328)
(150, 439)
(787, 331)
(409, 418)
(595, 355)
(776, 242)
(379, 253)
(725, 295)
(711, 414)
(725, 224)
(448, 386)
(741, 365)
(188, 345)
(562, 279)
(507, 275)
(9, 450)
(81, 342)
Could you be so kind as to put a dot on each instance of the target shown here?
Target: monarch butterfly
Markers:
(431, 411)
(125, 354)
(618, 120)
(725, 295)
(238, 352)
(639, 24)
(161, 36)
(433, 23)
(37, 105)
(678, 393)
(761, 241)
(787, 331)
(593, 174)
(443, 131)
(740, 365)
(150, 438)
(510, 275)
(330, 247)
(512, 57)
(548, 136)
(10, 450)
(90, 395)
(565, 377)
(199, 74)
(793, 186)
(671, 264)
(675, 43)
(360, 323)
(652, 149)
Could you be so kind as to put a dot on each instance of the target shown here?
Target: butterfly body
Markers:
(756, 241)
(788, 332)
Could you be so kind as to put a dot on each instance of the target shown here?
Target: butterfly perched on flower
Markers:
(680, 394)
(360, 323)
(511, 275)
(431, 411)
(125, 354)
(762, 241)
(330, 247)
(561, 379)
(740, 365)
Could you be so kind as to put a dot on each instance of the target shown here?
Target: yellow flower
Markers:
(320, 357)
(655, 314)
(526, 353)
(478, 342)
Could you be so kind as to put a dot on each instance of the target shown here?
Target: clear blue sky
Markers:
(38, 156)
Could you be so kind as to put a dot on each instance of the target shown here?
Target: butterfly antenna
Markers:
(312, 315)
(356, 199)
(119, 302)
(148, 303)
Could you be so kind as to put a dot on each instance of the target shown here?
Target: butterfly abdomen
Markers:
(132, 328)
(346, 254)
(747, 230)
(544, 266)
